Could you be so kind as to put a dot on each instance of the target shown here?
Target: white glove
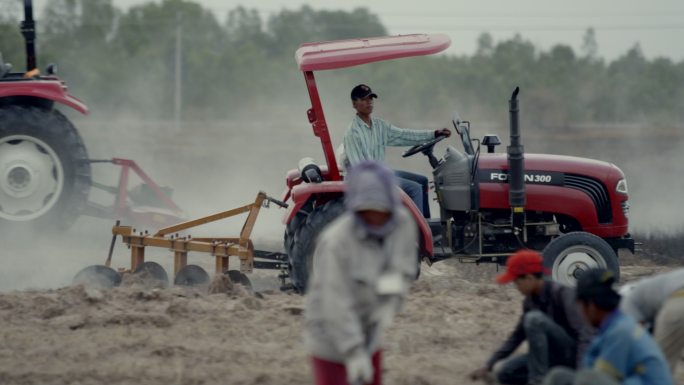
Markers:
(359, 368)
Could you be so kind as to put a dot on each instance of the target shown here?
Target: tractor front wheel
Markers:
(302, 249)
(44, 169)
(571, 254)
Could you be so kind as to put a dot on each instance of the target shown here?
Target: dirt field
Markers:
(138, 335)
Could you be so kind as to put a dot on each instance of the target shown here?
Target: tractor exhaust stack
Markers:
(28, 29)
(516, 166)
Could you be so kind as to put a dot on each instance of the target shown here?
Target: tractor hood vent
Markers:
(596, 191)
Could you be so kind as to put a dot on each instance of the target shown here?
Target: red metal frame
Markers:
(126, 165)
(301, 193)
(320, 127)
(50, 88)
(165, 214)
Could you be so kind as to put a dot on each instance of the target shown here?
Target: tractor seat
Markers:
(293, 176)
(13, 76)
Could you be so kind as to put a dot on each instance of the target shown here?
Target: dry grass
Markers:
(661, 247)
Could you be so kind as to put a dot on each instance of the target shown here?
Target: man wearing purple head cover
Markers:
(363, 266)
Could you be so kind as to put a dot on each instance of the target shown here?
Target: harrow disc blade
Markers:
(191, 275)
(97, 276)
(154, 272)
(240, 278)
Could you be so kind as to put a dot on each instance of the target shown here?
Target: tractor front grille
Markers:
(596, 191)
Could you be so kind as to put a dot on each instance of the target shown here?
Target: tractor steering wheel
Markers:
(425, 148)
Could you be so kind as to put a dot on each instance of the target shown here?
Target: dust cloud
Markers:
(211, 167)
(651, 159)
(454, 317)
(218, 165)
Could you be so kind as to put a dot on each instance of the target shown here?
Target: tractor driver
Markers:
(367, 137)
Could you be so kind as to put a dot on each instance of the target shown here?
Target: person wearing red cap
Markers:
(555, 331)
(622, 353)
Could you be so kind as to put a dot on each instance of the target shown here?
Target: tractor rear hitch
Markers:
(275, 201)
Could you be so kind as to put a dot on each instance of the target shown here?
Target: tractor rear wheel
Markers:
(302, 250)
(44, 169)
(291, 230)
(569, 255)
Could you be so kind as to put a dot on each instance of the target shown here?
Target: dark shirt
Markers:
(558, 302)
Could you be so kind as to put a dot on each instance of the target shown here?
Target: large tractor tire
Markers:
(44, 168)
(302, 249)
(290, 231)
(292, 227)
(569, 255)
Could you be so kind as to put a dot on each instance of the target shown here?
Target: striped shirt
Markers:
(362, 142)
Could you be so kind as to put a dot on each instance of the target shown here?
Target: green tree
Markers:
(124, 62)
(288, 29)
(76, 35)
(589, 44)
(485, 45)
(11, 41)
(245, 27)
(147, 40)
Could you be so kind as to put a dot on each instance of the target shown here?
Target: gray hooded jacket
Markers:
(358, 276)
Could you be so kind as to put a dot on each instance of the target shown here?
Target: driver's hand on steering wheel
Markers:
(442, 132)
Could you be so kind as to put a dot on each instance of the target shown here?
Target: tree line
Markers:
(123, 62)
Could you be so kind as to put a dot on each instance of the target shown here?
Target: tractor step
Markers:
(269, 265)
(274, 260)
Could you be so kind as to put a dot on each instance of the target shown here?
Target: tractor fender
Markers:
(301, 193)
(53, 90)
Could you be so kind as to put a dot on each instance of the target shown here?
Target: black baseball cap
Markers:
(597, 284)
(361, 91)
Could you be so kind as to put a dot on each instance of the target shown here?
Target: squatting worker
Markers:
(622, 351)
(367, 137)
(551, 323)
(364, 263)
(658, 301)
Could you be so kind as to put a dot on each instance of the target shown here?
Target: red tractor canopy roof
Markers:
(330, 55)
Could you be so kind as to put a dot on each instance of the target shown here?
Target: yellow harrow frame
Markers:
(221, 248)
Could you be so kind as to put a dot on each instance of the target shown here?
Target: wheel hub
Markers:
(577, 273)
(19, 178)
(574, 261)
(31, 178)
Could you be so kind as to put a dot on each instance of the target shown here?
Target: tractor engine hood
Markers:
(554, 163)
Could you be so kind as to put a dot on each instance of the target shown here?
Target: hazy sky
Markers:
(658, 25)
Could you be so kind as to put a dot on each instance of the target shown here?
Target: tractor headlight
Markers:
(621, 186)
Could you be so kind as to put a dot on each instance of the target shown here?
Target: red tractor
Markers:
(574, 210)
(45, 172)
